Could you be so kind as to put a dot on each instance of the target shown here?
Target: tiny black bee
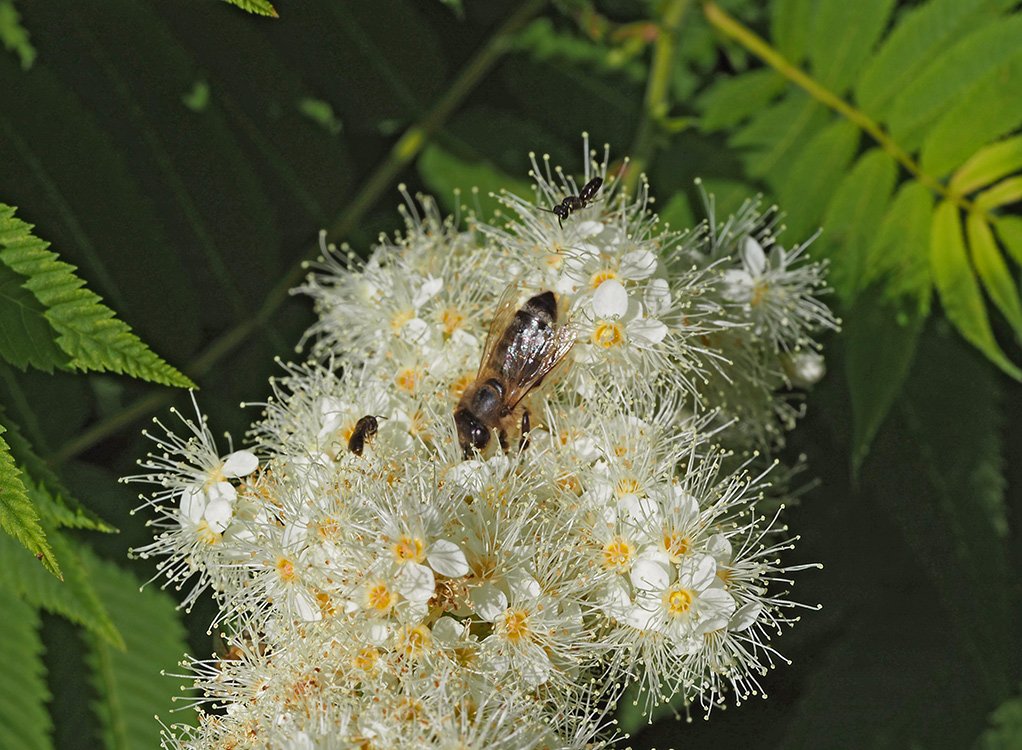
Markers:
(365, 429)
(572, 203)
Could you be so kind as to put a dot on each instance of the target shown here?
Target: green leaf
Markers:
(858, 207)
(73, 598)
(53, 500)
(991, 109)
(808, 184)
(26, 337)
(775, 135)
(1009, 229)
(993, 271)
(18, 516)
(1003, 193)
(988, 165)
(128, 681)
(677, 213)
(789, 27)
(14, 36)
(258, 7)
(88, 330)
(24, 720)
(321, 113)
(731, 100)
(842, 38)
(959, 292)
(951, 76)
(922, 36)
(882, 330)
(444, 173)
(1005, 730)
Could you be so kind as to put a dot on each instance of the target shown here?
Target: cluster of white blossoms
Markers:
(401, 595)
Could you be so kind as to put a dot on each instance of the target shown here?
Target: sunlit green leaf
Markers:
(18, 517)
(26, 337)
(988, 165)
(842, 37)
(88, 330)
(258, 7)
(14, 36)
(1004, 193)
(959, 291)
(790, 22)
(731, 100)
(1009, 229)
(993, 271)
(1005, 732)
(774, 136)
(444, 174)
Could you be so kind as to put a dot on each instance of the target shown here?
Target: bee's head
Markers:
(473, 435)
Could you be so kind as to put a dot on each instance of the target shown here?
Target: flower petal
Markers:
(221, 491)
(743, 618)
(427, 291)
(488, 601)
(240, 464)
(753, 257)
(646, 332)
(193, 503)
(415, 582)
(657, 297)
(218, 515)
(638, 264)
(648, 575)
(610, 300)
(446, 558)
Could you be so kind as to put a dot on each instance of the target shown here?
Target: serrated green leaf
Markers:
(1009, 229)
(858, 207)
(18, 517)
(808, 184)
(66, 510)
(74, 598)
(789, 27)
(987, 165)
(88, 331)
(731, 100)
(772, 137)
(444, 173)
(14, 36)
(1004, 193)
(959, 292)
(1005, 730)
(128, 681)
(258, 7)
(24, 720)
(26, 337)
(951, 76)
(991, 109)
(923, 34)
(993, 271)
(842, 38)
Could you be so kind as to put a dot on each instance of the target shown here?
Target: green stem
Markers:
(656, 103)
(401, 154)
(762, 49)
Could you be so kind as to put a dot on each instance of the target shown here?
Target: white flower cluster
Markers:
(379, 589)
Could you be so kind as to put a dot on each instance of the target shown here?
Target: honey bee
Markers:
(523, 346)
(365, 430)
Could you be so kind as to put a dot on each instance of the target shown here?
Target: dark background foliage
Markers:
(184, 156)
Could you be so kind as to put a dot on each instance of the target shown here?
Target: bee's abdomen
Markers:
(543, 307)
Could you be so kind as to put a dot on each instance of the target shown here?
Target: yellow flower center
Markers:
(407, 549)
(676, 544)
(724, 574)
(604, 274)
(678, 601)
(286, 570)
(408, 379)
(515, 624)
(366, 658)
(206, 535)
(617, 554)
(627, 486)
(451, 318)
(378, 597)
(608, 333)
(759, 293)
(400, 319)
(413, 640)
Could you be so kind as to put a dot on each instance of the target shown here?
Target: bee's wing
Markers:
(505, 313)
(525, 366)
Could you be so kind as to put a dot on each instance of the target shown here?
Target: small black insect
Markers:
(572, 203)
(365, 429)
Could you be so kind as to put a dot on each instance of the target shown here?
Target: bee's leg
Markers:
(523, 443)
(503, 439)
